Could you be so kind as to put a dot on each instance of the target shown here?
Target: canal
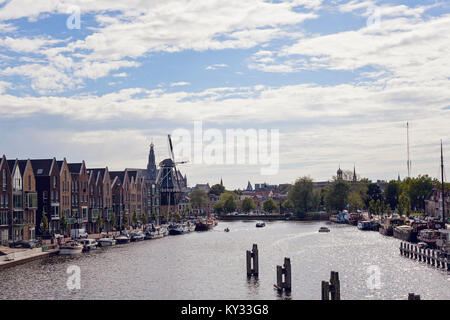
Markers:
(211, 265)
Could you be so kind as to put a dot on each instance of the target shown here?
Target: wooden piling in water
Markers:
(252, 262)
(332, 290)
(413, 296)
(284, 278)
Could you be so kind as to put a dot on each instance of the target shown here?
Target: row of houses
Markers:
(95, 199)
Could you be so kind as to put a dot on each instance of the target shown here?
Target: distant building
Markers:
(433, 203)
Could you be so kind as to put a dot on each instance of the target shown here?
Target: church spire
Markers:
(151, 166)
(354, 174)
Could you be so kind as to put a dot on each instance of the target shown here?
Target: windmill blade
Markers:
(171, 148)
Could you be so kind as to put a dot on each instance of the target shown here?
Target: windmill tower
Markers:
(169, 181)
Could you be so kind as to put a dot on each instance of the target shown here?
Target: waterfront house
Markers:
(5, 200)
(46, 173)
(24, 201)
(100, 180)
(65, 194)
(433, 205)
(117, 196)
(79, 195)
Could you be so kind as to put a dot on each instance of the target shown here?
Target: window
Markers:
(29, 183)
(4, 179)
(54, 182)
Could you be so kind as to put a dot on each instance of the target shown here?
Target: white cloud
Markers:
(179, 84)
(216, 66)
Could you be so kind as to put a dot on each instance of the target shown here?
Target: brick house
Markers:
(23, 226)
(79, 195)
(65, 194)
(46, 173)
(433, 206)
(117, 196)
(5, 200)
(100, 180)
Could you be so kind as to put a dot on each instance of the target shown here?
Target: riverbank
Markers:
(319, 216)
(14, 257)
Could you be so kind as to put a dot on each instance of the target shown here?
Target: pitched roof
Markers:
(42, 167)
(75, 167)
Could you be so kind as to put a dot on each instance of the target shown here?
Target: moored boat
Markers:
(123, 238)
(204, 225)
(70, 248)
(175, 229)
(88, 244)
(137, 236)
(106, 242)
(324, 229)
(154, 233)
(429, 236)
(364, 225)
(387, 226)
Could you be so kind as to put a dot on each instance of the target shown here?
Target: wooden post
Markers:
(252, 262)
(335, 286)
(325, 290)
(428, 256)
(413, 296)
(284, 278)
(401, 248)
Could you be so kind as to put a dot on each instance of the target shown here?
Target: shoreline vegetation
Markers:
(311, 216)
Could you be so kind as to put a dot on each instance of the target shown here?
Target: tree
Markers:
(419, 190)
(336, 196)
(392, 193)
(99, 222)
(198, 199)
(404, 205)
(113, 222)
(135, 218)
(355, 202)
(217, 189)
(228, 200)
(43, 227)
(301, 195)
(374, 193)
(288, 205)
(63, 224)
(269, 205)
(144, 218)
(248, 205)
(218, 207)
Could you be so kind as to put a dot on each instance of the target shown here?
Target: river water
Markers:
(212, 265)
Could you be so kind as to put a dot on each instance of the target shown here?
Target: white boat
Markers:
(106, 242)
(70, 248)
(165, 231)
(88, 244)
(155, 233)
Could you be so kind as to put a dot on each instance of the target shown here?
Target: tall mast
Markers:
(408, 164)
(443, 184)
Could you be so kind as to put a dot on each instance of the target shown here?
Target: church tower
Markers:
(151, 166)
(339, 173)
(355, 179)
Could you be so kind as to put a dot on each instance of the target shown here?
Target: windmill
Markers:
(168, 179)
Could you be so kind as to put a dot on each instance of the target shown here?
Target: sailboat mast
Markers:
(408, 164)
(443, 184)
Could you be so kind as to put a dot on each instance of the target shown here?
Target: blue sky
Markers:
(338, 79)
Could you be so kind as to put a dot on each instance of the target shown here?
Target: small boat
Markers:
(227, 230)
(324, 229)
(364, 225)
(123, 238)
(164, 231)
(204, 225)
(154, 233)
(388, 225)
(176, 229)
(106, 242)
(422, 245)
(191, 226)
(138, 236)
(429, 236)
(88, 244)
(70, 248)
(260, 224)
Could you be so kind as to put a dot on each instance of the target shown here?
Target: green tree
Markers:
(229, 202)
(248, 205)
(374, 193)
(198, 199)
(392, 193)
(99, 222)
(336, 196)
(63, 224)
(144, 218)
(218, 207)
(135, 218)
(269, 205)
(355, 202)
(302, 196)
(217, 189)
(404, 205)
(288, 205)
(419, 190)
(43, 227)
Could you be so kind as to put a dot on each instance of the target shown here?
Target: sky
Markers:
(99, 80)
